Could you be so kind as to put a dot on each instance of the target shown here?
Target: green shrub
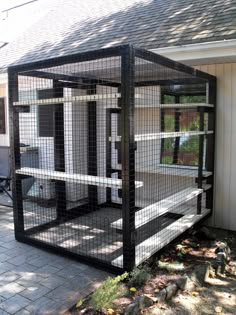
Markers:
(110, 290)
(139, 277)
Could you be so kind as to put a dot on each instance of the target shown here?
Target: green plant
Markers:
(167, 160)
(110, 290)
(139, 277)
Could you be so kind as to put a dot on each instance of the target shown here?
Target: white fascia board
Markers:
(220, 50)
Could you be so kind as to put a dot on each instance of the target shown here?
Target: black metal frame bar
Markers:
(200, 160)
(15, 154)
(177, 128)
(59, 150)
(92, 148)
(128, 156)
(210, 150)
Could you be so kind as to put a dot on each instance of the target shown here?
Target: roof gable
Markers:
(76, 26)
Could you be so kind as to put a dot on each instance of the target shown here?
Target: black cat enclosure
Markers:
(113, 153)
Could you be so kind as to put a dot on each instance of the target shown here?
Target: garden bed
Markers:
(182, 279)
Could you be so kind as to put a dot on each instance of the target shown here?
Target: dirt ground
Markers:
(217, 296)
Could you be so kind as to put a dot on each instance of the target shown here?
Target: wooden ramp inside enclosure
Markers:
(160, 239)
(169, 204)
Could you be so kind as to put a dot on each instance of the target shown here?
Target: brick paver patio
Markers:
(36, 282)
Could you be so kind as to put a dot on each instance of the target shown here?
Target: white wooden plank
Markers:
(159, 208)
(179, 105)
(156, 242)
(164, 135)
(59, 100)
(166, 170)
(74, 178)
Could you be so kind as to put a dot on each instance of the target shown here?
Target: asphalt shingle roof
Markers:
(76, 26)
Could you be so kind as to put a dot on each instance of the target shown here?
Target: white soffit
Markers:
(202, 53)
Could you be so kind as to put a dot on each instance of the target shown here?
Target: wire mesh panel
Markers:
(112, 152)
(171, 132)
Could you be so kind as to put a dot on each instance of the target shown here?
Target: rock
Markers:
(140, 303)
(171, 266)
(200, 274)
(132, 309)
(145, 302)
(204, 234)
(171, 291)
(185, 283)
(161, 296)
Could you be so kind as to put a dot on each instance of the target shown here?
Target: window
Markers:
(2, 116)
(180, 150)
(45, 115)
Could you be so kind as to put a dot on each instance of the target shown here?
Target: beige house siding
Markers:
(225, 167)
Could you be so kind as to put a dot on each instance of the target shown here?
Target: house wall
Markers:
(224, 215)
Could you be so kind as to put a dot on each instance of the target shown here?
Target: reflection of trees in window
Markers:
(188, 146)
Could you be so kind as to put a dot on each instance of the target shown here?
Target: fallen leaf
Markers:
(78, 304)
(110, 311)
(218, 309)
(194, 293)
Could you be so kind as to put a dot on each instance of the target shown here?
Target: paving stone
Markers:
(7, 238)
(69, 273)
(10, 289)
(4, 257)
(14, 304)
(36, 282)
(78, 282)
(35, 292)
(24, 268)
(23, 258)
(6, 266)
(61, 293)
(28, 278)
(52, 282)
(38, 262)
(42, 306)
(24, 312)
(47, 269)
(8, 277)
(3, 249)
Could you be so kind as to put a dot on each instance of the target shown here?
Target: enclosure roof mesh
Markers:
(73, 26)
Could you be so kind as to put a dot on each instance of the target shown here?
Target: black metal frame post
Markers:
(92, 148)
(128, 156)
(177, 128)
(200, 159)
(210, 148)
(59, 151)
(162, 125)
(15, 154)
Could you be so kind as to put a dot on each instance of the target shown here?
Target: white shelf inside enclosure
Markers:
(166, 170)
(164, 135)
(156, 242)
(182, 105)
(161, 207)
(74, 178)
(60, 100)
